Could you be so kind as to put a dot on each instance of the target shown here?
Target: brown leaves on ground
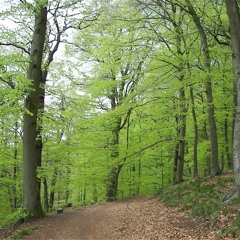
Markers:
(131, 219)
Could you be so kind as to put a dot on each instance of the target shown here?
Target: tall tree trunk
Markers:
(15, 168)
(176, 149)
(195, 144)
(234, 23)
(182, 133)
(53, 184)
(45, 195)
(41, 106)
(215, 169)
(181, 96)
(226, 141)
(204, 135)
(113, 183)
(114, 173)
(32, 201)
(39, 141)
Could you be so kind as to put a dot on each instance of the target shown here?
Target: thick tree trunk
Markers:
(113, 183)
(234, 23)
(215, 169)
(32, 201)
(114, 172)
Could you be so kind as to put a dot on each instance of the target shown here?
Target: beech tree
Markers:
(31, 188)
(118, 66)
(117, 119)
(234, 23)
(215, 170)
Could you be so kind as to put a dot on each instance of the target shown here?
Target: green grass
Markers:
(23, 233)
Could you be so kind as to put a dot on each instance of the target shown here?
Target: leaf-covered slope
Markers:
(202, 199)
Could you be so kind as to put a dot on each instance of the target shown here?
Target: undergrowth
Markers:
(202, 198)
(23, 233)
(15, 218)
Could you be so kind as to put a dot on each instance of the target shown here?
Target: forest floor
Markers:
(131, 219)
(189, 211)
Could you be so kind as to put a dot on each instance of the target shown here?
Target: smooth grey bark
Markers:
(234, 23)
(215, 169)
(31, 189)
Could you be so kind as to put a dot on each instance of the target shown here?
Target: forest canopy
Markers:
(102, 100)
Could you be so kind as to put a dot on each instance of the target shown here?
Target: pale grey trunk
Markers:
(234, 22)
(215, 169)
(31, 189)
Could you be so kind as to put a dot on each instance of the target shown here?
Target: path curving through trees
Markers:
(134, 218)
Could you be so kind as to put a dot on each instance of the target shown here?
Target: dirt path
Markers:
(132, 219)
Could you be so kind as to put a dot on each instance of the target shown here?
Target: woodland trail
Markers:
(139, 218)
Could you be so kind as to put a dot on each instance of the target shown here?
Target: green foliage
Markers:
(23, 233)
(123, 66)
(17, 216)
(200, 198)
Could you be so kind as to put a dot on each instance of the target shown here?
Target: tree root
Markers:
(231, 195)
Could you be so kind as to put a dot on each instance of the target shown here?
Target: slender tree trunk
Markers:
(53, 184)
(215, 169)
(32, 201)
(205, 136)
(84, 196)
(45, 196)
(195, 144)
(95, 193)
(175, 163)
(51, 199)
(39, 141)
(234, 23)
(140, 156)
(181, 96)
(15, 168)
(226, 142)
(182, 133)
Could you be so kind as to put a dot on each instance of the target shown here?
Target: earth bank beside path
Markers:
(131, 219)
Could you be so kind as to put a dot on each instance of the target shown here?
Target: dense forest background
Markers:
(133, 96)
